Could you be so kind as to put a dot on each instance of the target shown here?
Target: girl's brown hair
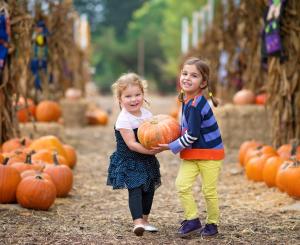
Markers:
(126, 80)
(203, 68)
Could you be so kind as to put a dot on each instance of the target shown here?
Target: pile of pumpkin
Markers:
(94, 114)
(276, 167)
(247, 97)
(51, 111)
(36, 172)
(45, 111)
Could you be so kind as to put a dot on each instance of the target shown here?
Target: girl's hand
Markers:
(162, 147)
(154, 151)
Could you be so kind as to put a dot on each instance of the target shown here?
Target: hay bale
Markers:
(38, 129)
(73, 112)
(241, 123)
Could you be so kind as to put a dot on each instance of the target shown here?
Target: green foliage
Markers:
(118, 13)
(146, 24)
(110, 58)
(121, 25)
(170, 37)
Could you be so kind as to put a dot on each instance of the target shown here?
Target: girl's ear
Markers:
(203, 84)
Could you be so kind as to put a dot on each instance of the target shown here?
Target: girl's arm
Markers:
(190, 135)
(129, 138)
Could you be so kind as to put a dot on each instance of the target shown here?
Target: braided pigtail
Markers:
(181, 96)
(210, 94)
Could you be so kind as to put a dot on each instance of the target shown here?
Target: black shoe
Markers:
(209, 230)
(189, 227)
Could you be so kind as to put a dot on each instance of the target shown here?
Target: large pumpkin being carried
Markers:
(160, 129)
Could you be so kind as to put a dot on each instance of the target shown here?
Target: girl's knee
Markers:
(182, 187)
(210, 193)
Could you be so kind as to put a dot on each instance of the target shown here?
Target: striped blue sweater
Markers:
(200, 135)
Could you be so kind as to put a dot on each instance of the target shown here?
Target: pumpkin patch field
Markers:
(93, 213)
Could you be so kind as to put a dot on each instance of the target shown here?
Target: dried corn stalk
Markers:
(284, 80)
(236, 31)
(15, 71)
(66, 59)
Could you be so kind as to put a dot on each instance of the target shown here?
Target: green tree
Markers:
(118, 13)
(145, 27)
(113, 53)
(170, 36)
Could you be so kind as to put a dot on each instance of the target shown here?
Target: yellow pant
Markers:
(209, 172)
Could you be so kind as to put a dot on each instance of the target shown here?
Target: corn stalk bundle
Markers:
(15, 70)
(248, 35)
(221, 37)
(284, 80)
(65, 56)
(21, 28)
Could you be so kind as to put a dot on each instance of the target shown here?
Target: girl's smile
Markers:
(132, 99)
(191, 80)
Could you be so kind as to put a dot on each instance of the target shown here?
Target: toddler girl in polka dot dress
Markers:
(132, 166)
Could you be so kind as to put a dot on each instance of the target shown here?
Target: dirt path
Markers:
(95, 214)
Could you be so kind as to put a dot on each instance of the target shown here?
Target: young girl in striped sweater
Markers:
(201, 150)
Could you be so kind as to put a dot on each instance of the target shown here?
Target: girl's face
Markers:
(191, 80)
(132, 99)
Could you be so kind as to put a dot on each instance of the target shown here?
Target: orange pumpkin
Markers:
(270, 170)
(261, 99)
(24, 113)
(15, 156)
(244, 97)
(46, 156)
(1, 158)
(174, 112)
(48, 111)
(15, 144)
(9, 181)
(32, 172)
(36, 192)
(281, 177)
(73, 94)
(62, 178)
(284, 151)
(27, 165)
(49, 142)
(292, 183)
(245, 146)
(71, 155)
(255, 165)
(160, 129)
(97, 117)
(259, 151)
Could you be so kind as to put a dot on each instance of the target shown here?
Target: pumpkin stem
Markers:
(295, 144)
(23, 141)
(28, 158)
(55, 160)
(5, 160)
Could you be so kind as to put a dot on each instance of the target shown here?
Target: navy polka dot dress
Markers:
(130, 169)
